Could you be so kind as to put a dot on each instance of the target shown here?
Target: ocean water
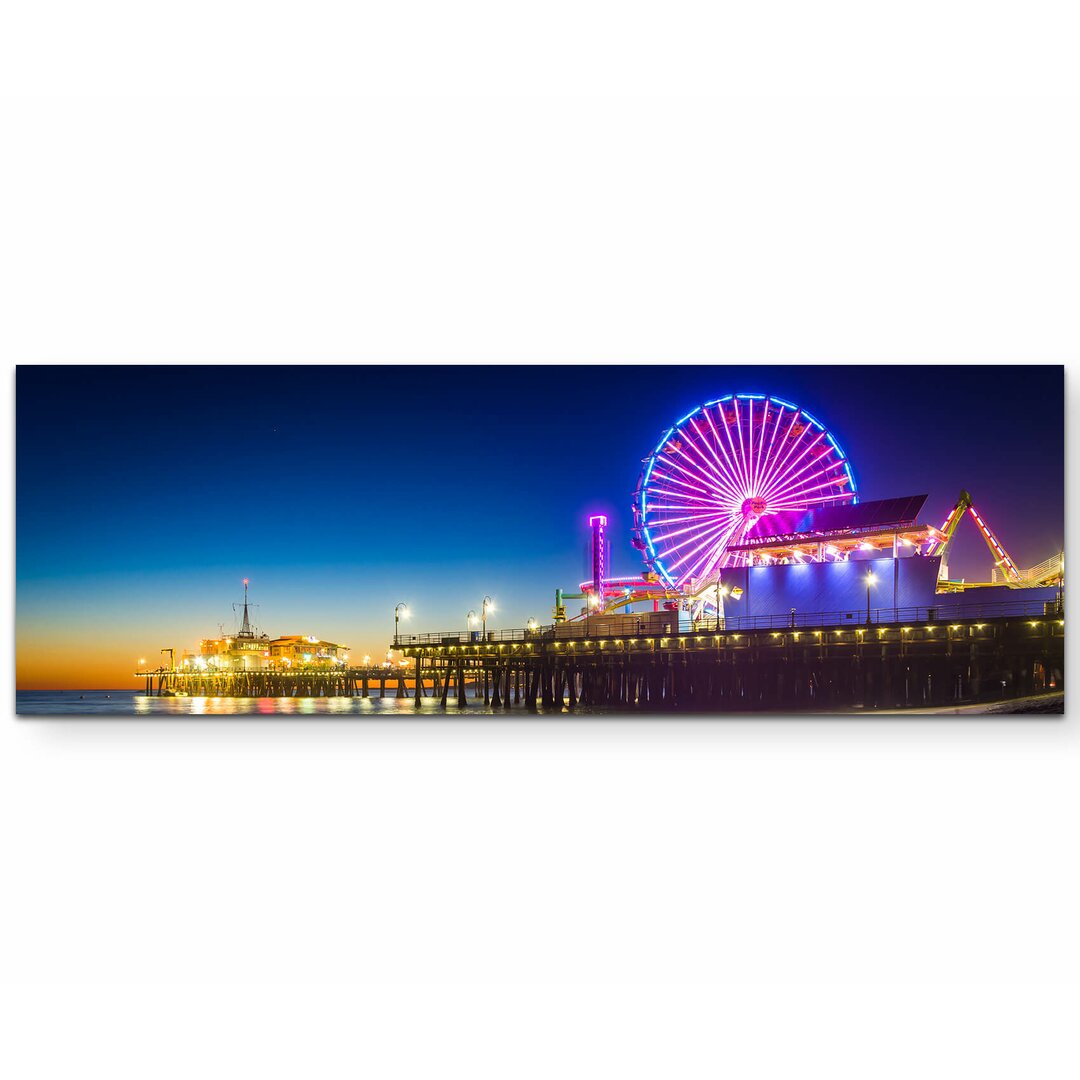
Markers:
(131, 703)
(90, 703)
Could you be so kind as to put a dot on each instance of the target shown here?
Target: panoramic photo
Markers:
(393, 541)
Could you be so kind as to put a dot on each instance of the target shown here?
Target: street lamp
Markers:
(470, 621)
(871, 579)
(399, 610)
(367, 661)
(532, 626)
(488, 605)
(721, 592)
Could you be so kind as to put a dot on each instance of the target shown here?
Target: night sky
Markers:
(144, 495)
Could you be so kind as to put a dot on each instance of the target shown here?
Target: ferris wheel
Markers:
(740, 467)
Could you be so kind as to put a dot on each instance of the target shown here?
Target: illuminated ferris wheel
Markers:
(740, 467)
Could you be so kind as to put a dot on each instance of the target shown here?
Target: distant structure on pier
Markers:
(248, 650)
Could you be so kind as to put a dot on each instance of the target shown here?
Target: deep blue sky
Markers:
(145, 494)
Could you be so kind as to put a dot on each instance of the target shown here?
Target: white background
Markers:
(827, 182)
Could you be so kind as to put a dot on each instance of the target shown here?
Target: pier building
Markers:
(249, 663)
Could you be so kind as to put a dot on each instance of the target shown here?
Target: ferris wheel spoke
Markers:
(805, 478)
(728, 464)
(800, 478)
(658, 522)
(718, 480)
(805, 498)
(797, 481)
(742, 444)
(792, 439)
(717, 554)
(749, 442)
(791, 472)
(683, 501)
(708, 538)
(706, 534)
(804, 504)
(723, 476)
(695, 472)
(761, 443)
(667, 535)
(669, 478)
(739, 464)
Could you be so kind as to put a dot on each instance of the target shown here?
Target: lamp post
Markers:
(488, 605)
(871, 579)
(721, 592)
(470, 621)
(399, 610)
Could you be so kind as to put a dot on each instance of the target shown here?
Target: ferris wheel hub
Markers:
(754, 507)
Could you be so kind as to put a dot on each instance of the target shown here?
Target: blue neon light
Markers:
(818, 423)
(854, 486)
(679, 423)
(753, 397)
(786, 404)
(667, 436)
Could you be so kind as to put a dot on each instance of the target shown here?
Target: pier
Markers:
(897, 658)
(320, 682)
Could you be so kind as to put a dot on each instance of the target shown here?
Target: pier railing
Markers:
(797, 620)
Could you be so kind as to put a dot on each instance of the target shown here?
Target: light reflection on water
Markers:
(125, 703)
(325, 706)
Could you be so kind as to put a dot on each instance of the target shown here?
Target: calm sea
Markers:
(129, 703)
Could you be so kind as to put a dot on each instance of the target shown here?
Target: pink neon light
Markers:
(707, 483)
(602, 518)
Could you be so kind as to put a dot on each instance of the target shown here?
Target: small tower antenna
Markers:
(245, 629)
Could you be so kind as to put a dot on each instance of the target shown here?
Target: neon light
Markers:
(816, 423)
(598, 517)
(709, 492)
(660, 444)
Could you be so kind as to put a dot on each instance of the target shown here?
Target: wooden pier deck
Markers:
(888, 663)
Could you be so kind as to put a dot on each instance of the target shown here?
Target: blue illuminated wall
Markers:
(833, 586)
(841, 587)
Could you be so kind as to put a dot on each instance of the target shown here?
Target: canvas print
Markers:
(393, 541)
